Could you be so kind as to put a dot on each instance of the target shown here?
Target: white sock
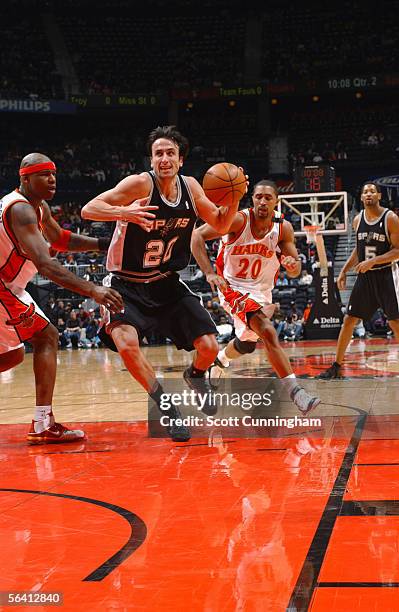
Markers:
(290, 382)
(223, 359)
(43, 418)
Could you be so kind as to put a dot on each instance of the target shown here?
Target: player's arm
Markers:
(392, 254)
(198, 239)
(125, 202)
(219, 218)
(23, 222)
(64, 240)
(351, 262)
(290, 259)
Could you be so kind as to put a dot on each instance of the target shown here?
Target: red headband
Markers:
(37, 168)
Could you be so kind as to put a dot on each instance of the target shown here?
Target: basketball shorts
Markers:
(20, 318)
(376, 289)
(167, 307)
(239, 303)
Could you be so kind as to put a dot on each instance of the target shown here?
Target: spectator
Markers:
(278, 319)
(73, 330)
(306, 312)
(305, 279)
(62, 340)
(225, 330)
(282, 280)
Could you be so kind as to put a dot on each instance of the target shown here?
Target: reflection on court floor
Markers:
(303, 520)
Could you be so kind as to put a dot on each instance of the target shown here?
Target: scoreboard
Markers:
(317, 178)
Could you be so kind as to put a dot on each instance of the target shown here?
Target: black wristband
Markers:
(103, 243)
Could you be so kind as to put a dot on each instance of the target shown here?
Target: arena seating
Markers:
(119, 53)
(27, 68)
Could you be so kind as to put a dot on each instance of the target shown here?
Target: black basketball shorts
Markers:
(376, 289)
(166, 306)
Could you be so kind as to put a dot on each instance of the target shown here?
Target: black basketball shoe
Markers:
(216, 373)
(334, 371)
(178, 433)
(201, 386)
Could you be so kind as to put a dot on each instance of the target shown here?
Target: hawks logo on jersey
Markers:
(25, 319)
(252, 249)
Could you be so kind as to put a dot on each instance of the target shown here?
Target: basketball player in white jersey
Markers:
(247, 266)
(25, 225)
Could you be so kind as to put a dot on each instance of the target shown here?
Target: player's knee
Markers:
(11, 359)
(126, 340)
(245, 347)
(47, 337)
(207, 346)
(267, 333)
(351, 321)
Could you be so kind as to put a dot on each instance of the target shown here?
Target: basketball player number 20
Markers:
(157, 252)
(244, 265)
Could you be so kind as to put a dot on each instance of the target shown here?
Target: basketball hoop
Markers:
(314, 234)
(311, 232)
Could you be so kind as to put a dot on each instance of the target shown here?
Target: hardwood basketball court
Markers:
(306, 520)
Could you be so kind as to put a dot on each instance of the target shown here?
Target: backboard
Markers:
(328, 210)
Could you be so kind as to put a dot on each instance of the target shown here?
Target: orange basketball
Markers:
(224, 183)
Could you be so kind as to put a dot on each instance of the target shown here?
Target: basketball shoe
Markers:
(303, 400)
(216, 373)
(202, 387)
(178, 433)
(334, 371)
(54, 434)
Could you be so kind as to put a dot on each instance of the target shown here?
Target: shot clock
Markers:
(317, 178)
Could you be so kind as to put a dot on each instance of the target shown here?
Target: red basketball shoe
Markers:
(54, 434)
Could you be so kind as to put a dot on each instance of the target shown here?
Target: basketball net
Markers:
(314, 235)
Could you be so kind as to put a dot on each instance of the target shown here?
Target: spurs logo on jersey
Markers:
(147, 255)
(372, 237)
(167, 226)
(251, 264)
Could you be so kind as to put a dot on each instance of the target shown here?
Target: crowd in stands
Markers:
(94, 161)
(354, 133)
(155, 51)
(303, 41)
(27, 68)
(77, 327)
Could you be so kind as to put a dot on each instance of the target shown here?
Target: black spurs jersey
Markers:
(372, 238)
(145, 256)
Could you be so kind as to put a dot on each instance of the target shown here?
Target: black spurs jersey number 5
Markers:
(372, 238)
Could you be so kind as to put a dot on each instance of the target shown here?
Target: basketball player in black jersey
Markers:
(375, 258)
(155, 214)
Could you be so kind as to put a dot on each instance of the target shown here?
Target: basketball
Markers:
(224, 183)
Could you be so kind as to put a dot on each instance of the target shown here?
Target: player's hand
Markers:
(246, 177)
(108, 297)
(217, 281)
(364, 266)
(289, 263)
(137, 212)
(341, 281)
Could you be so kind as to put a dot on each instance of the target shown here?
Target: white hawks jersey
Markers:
(250, 264)
(16, 269)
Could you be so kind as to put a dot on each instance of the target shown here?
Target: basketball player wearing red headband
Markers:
(26, 224)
